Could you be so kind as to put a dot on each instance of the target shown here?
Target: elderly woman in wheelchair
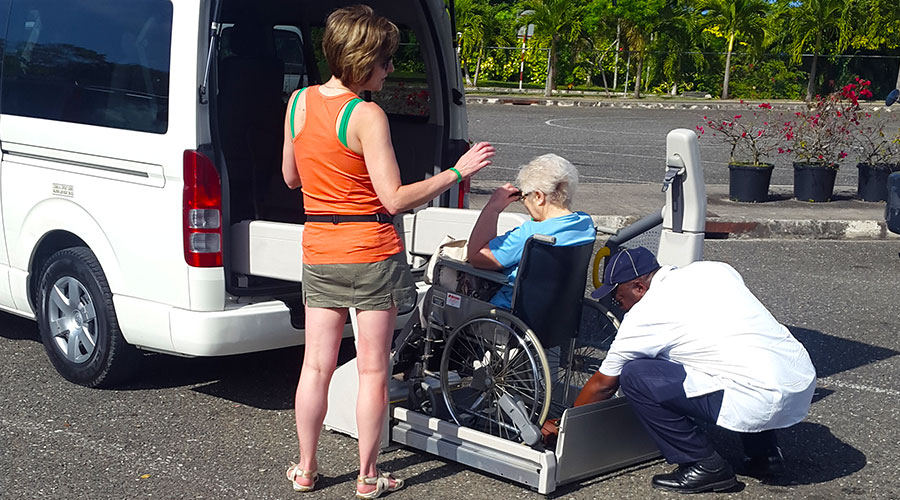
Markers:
(500, 331)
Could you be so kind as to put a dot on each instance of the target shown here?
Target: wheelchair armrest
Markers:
(493, 276)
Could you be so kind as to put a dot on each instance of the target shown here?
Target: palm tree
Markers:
(469, 22)
(881, 26)
(639, 19)
(680, 40)
(556, 20)
(735, 18)
(637, 39)
(813, 23)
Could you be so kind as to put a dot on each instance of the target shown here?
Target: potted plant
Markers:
(751, 140)
(875, 147)
(818, 138)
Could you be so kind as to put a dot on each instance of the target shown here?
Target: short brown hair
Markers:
(356, 40)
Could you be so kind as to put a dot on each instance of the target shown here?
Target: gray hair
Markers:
(552, 175)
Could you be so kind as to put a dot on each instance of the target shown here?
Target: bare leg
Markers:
(323, 339)
(372, 357)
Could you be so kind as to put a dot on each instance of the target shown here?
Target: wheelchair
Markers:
(504, 372)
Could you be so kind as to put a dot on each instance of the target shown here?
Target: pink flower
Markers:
(737, 117)
(765, 105)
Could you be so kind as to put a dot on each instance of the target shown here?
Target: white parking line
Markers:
(557, 147)
(828, 381)
(552, 123)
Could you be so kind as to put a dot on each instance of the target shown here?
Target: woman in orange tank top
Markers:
(338, 149)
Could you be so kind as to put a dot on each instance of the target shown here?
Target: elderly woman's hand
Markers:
(502, 197)
(476, 158)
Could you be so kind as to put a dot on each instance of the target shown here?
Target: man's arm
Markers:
(599, 387)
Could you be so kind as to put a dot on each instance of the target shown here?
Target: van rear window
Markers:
(97, 62)
(406, 91)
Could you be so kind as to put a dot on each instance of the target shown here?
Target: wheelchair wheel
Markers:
(597, 331)
(486, 357)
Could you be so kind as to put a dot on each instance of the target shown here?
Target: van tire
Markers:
(84, 342)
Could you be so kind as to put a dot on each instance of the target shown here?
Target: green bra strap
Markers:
(345, 120)
(294, 108)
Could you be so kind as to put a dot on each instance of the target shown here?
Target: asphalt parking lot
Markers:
(223, 427)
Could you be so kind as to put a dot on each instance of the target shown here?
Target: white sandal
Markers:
(382, 484)
(295, 471)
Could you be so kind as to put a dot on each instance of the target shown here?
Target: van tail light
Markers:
(202, 211)
(463, 193)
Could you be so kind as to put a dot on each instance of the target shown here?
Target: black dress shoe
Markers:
(764, 466)
(693, 478)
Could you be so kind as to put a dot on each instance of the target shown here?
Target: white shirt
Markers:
(703, 317)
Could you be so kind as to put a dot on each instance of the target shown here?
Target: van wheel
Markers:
(78, 321)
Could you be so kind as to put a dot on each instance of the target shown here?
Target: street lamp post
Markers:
(524, 32)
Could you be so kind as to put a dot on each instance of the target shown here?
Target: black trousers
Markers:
(655, 388)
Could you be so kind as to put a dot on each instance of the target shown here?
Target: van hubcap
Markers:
(72, 319)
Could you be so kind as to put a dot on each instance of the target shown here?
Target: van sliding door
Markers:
(5, 295)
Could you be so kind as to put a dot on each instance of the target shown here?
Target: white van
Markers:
(141, 142)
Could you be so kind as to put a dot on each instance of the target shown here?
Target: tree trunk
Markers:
(898, 79)
(811, 86)
(599, 64)
(551, 71)
(647, 78)
(728, 66)
(478, 64)
(637, 75)
(616, 63)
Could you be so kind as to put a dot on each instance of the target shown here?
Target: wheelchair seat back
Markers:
(549, 288)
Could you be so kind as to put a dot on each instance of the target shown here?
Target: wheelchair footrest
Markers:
(516, 411)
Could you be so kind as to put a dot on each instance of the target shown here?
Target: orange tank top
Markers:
(335, 180)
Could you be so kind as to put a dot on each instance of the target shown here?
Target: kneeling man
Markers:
(697, 345)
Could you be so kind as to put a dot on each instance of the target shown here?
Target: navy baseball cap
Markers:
(626, 265)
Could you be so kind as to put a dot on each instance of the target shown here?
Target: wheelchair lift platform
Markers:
(593, 439)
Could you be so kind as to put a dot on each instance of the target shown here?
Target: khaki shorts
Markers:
(373, 286)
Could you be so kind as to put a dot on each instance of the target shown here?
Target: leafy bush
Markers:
(770, 79)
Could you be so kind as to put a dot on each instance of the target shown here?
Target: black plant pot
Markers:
(814, 181)
(749, 183)
(872, 185)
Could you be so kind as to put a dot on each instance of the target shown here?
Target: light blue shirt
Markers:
(572, 229)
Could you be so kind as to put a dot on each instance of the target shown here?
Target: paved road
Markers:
(223, 428)
(606, 144)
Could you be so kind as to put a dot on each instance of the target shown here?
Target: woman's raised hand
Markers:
(476, 158)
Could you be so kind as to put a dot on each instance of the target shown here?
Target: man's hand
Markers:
(550, 431)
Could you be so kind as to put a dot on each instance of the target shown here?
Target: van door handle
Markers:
(457, 97)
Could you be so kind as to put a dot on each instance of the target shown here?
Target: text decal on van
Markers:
(64, 190)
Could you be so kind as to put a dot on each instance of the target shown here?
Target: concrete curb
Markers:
(776, 228)
(635, 104)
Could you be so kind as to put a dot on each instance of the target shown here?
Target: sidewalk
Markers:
(617, 205)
